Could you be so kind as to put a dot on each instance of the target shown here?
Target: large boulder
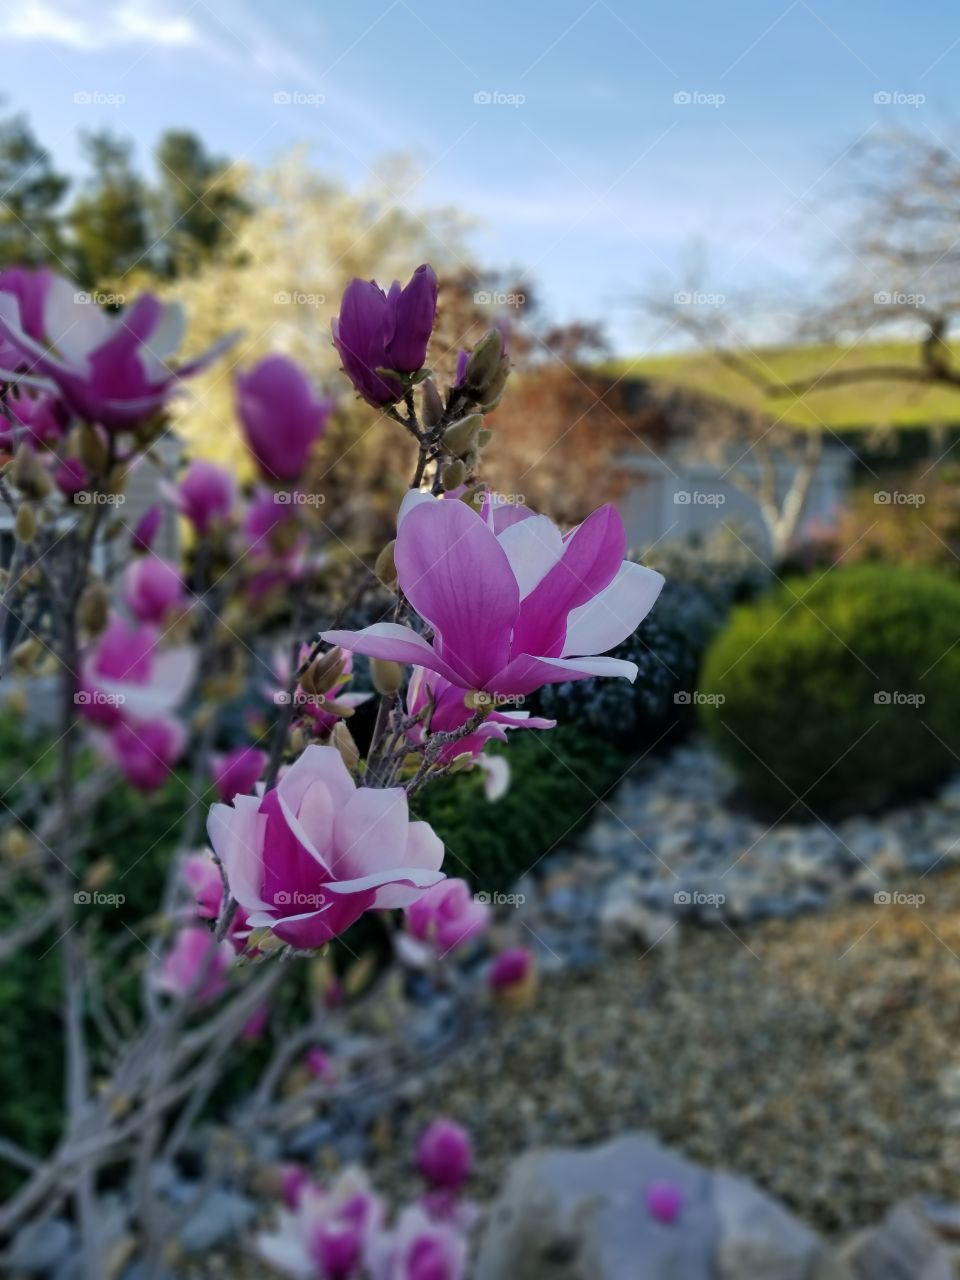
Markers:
(582, 1214)
(919, 1239)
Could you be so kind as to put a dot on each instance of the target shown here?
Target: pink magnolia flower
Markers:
(281, 416)
(205, 494)
(196, 965)
(445, 1155)
(147, 528)
(308, 858)
(513, 610)
(237, 771)
(32, 414)
(294, 1178)
(448, 710)
(327, 1233)
(511, 969)
(276, 542)
(127, 674)
(377, 330)
(322, 712)
(664, 1201)
(419, 1248)
(112, 369)
(202, 877)
(152, 588)
(448, 915)
(145, 751)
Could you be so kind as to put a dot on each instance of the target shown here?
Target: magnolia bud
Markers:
(298, 741)
(28, 474)
(385, 567)
(484, 360)
(116, 481)
(454, 474)
(323, 673)
(460, 763)
(25, 525)
(478, 700)
(342, 739)
(92, 448)
(484, 437)
(24, 655)
(93, 607)
(461, 438)
(387, 676)
(431, 404)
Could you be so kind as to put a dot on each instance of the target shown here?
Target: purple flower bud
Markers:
(510, 968)
(147, 528)
(71, 477)
(237, 772)
(152, 588)
(205, 494)
(664, 1201)
(445, 1154)
(281, 415)
(375, 330)
(336, 1249)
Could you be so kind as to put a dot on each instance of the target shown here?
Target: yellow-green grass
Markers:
(860, 405)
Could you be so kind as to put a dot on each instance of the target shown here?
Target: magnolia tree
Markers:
(490, 602)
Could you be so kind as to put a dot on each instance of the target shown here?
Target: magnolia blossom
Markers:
(308, 858)
(321, 710)
(419, 1248)
(147, 528)
(202, 879)
(205, 494)
(377, 330)
(237, 771)
(447, 916)
(71, 477)
(146, 750)
(34, 415)
(445, 1155)
(281, 416)
(440, 707)
(510, 610)
(327, 1233)
(127, 675)
(196, 965)
(112, 369)
(152, 588)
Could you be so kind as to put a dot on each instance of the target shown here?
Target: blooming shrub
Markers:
(842, 692)
(312, 835)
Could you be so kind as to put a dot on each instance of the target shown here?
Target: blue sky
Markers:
(582, 167)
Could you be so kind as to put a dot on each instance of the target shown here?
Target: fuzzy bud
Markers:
(454, 474)
(342, 739)
(92, 448)
(323, 673)
(387, 676)
(28, 474)
(461, 438)
(93, 608)
(385, 567)
(431, 404)
(23, 657)
(25, 525)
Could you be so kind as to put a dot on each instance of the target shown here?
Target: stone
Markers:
(42, 1247)
(905, 1246)
(625, 922)
(222, 1215)
(760, 1240)
(566, 1214)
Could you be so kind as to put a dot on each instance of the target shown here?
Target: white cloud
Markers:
(124, 22)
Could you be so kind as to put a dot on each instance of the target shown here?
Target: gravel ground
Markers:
(820, 1057)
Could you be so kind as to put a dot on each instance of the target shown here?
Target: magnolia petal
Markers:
(614, 613)
(396, 643)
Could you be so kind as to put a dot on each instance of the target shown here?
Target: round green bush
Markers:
(841, 691)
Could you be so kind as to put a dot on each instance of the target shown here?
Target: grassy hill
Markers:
(854, 406)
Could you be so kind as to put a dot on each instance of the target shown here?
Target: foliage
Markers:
(841, 691)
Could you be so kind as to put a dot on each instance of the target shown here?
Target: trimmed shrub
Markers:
(842, 690)
(556, 778)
